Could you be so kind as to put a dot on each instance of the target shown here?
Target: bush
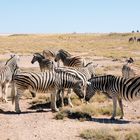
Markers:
(101, 134)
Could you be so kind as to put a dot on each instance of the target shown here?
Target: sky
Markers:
(69, 16)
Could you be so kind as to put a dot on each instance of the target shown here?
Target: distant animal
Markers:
(133, 31)
(138, 39)
(130, 60)
(69, 60)
(45, 64)
(131, 40)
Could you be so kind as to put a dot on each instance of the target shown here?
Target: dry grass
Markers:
(99, 105)
(108, 45)
(111, 133)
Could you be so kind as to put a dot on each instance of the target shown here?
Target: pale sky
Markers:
(68, 16)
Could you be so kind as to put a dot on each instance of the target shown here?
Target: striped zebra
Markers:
(128, 71)
(45, 64)
(48, 81)
(69, 60)
(6, 74)
(117, 88)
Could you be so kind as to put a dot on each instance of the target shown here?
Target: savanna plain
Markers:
(83, 121)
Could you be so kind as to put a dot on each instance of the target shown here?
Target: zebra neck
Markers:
(12, 66)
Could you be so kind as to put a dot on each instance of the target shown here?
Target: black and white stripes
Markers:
(6, 74)
(51, 80)
(69, 60)
(116, 87)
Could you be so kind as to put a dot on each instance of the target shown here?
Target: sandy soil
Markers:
(33, 125)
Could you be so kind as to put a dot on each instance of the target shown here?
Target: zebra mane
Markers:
(12, 56)
(64, 53)
(40, 55)
(107, 76)
(49, 52)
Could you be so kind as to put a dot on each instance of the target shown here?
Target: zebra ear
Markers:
(12, 55)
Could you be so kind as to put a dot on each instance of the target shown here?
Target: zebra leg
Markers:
(17, 108)
(114, 107)
(121, 107)
(1, 92)
(69, 98)
(53, 101)
(62, 97)
(5, 90)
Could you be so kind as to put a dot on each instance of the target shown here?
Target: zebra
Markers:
(6, 74)
(68, 59)
(127, 70)
(45, 64)
(47, 81)
(117, 88)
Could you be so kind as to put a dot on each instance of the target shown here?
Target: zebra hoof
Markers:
(18, 111)
(112, 118)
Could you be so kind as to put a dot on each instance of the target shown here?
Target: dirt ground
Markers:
(33, 125)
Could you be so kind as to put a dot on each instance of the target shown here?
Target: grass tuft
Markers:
(101, 134)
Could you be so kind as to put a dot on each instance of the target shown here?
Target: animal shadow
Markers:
(108, 121)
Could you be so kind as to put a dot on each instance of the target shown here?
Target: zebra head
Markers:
(37, 57)
(61, 54)
(79, 89)
(89, 92)
(12, 62)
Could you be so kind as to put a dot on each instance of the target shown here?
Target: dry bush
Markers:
(98, 134)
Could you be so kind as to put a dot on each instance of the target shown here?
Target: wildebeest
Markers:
(131, 40)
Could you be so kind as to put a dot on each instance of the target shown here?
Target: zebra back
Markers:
(49, 54)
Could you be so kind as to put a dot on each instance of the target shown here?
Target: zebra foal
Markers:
(116, 87)
(47, 81)
(6, 74)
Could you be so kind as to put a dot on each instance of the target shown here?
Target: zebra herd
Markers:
(74, 75)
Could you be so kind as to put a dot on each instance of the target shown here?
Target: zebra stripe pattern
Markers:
(69, 60)
(51, 80)
(116, 87)
(6, 74)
